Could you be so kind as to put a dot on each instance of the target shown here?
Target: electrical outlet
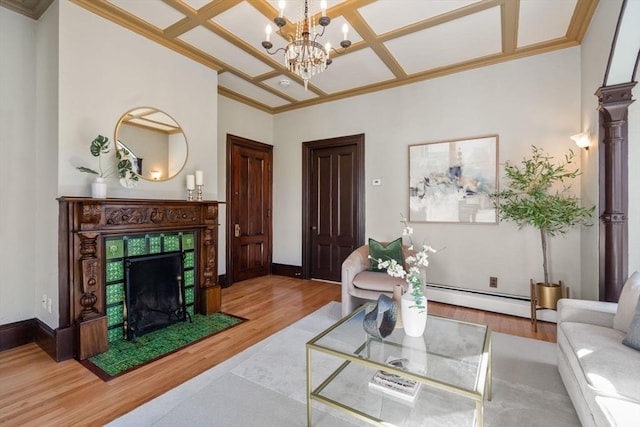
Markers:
(493, 282)
(49, 304)
(43, 301)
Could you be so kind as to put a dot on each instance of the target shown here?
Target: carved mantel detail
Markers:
(89, 275)
(84, 223)
(151, 215)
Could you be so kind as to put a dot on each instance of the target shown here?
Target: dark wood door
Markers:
(333, 217)
(249, 198)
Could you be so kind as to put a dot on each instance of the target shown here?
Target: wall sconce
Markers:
(581, 139)
(155, 175)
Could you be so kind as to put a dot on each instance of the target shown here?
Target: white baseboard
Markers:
(488, 302)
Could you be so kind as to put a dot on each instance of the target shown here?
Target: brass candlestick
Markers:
(190, 195)
(199, 192)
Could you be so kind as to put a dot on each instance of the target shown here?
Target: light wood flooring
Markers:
(37, 391)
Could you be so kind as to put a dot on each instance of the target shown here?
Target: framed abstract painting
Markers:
(451, 181)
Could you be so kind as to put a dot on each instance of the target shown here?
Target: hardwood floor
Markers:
(37, 391)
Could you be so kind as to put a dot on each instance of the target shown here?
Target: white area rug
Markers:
(266, 386)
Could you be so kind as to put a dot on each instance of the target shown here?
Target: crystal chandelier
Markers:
(304, 55)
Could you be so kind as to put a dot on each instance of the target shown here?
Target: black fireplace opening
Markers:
(154, 293)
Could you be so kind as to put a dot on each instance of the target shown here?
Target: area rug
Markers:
(124, 356)
(265, 385)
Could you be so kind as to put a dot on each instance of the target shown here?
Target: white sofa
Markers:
(601, 375)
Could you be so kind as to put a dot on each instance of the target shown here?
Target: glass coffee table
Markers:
(401, 380)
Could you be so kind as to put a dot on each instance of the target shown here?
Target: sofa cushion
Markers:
(627, 303)
(633, 336)
(609, 368)
(384, 252)
(374, 281)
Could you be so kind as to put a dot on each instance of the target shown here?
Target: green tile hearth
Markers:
(124, 355)
(188, 278)
(115, 293)
(114, 248)
(171, 243)
(188, 241)
(188, 259)
(155, 244)
(136, 246)
(115, 271)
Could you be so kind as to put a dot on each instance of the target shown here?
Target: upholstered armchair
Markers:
(359, 284)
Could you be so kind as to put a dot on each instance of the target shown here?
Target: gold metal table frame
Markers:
(359, 355)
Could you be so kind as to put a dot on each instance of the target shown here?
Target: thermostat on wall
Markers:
(376, 181)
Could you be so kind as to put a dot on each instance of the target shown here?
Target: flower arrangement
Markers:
(415, 262)
(123, 167)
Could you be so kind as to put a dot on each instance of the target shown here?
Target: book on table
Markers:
(393, 384)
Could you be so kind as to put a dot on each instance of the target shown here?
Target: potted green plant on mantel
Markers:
(537, 194)
(123, 167)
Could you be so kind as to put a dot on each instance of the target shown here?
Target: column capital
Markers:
(615, 100)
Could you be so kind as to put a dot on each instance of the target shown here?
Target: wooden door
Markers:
(333, 204)
(249, 198)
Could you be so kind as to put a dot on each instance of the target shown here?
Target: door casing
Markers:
(236, 141)
(359, 184)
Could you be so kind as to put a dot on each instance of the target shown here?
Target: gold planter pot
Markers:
(545, 296)
(548, 295)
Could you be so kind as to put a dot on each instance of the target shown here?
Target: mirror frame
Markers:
(127, 116)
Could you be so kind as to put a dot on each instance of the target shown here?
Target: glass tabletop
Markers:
(450, 351)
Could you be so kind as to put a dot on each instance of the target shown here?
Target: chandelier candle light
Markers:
(304, 55)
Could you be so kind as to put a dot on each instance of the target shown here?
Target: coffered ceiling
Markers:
(394, 42)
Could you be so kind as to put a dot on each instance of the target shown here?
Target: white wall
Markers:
(247, 122)
(46, 171)
(594, 54)
(529, 101)
(18, 184)
(106, 70)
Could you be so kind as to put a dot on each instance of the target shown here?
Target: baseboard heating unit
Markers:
(513, 305)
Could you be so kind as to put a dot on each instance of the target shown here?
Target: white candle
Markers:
(281, 7)
(199, 180)
(191, 182)
(323, 6)
(345, 31)
(267, 30)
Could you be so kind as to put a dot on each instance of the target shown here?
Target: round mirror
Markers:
(155, 142)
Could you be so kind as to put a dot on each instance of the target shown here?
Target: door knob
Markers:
(237, 230)
(313, 227)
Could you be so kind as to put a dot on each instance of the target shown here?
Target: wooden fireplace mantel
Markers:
(83, 225)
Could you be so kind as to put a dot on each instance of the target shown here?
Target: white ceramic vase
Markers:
(99, 188)
(414, 319)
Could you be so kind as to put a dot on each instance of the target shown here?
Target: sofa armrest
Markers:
(584, 311)
(356, 262)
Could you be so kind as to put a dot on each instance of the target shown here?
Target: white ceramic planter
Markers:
(414, 319)
(99, 189)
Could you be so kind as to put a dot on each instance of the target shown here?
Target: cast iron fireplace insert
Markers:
(154, 293)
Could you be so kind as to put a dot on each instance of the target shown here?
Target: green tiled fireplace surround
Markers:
(117, 249)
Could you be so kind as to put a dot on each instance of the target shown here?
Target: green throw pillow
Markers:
(377, 250)
(633, 336)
